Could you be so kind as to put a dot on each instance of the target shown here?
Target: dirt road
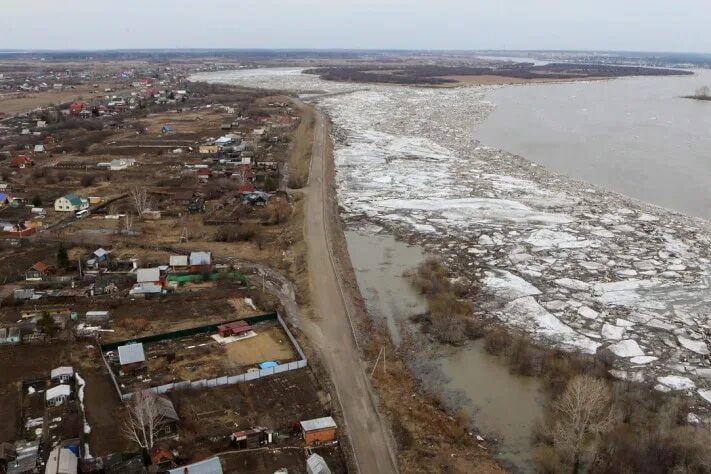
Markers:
(332, 332)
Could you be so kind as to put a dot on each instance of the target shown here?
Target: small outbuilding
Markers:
(57, 395)
(318, 430)
(61, 374)
(131, 357)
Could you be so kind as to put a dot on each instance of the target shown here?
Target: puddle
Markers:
(501, 404)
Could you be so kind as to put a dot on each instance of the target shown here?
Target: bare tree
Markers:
(703, 91)
(140, 200)
(143, 420)
(584, 413)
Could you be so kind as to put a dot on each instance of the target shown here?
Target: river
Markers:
(423, 164)
(635, 136)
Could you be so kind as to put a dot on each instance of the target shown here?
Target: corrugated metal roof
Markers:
(131, 353)
(208, 466)
(318, 424)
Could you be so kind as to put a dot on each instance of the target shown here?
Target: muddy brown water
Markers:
(502, 405)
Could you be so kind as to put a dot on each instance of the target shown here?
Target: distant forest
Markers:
(434, 75)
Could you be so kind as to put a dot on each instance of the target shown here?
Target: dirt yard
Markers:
(271, 344)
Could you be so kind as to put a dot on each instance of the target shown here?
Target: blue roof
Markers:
(3, 197)
(268, 364)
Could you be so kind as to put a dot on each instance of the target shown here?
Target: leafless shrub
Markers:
(584, 414)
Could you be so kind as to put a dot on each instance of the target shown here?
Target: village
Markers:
(139, 214)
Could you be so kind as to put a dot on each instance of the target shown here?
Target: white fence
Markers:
(227, 380)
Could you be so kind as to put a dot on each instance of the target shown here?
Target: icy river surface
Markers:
(571, 263)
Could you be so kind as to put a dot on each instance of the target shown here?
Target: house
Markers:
(315, 464)
(58, 394)
(70, 203)
(37, 272)
(21, 161)
(61, 374)
(206, 466)
(318, 430)
(131, 357)
(170, 417)
(10, 335)
(233, 328)
(200, 262)
(39, 149)
(62, 461)
(226, 126)
(224, 141)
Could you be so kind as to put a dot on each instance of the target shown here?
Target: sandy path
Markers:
(332, 333)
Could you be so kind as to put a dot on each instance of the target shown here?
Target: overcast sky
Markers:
(645, 25)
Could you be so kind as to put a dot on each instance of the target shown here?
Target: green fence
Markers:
(186, 332)
(197, 277)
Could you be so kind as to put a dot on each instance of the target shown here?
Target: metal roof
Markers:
(315, 464)
(60, 371)
(62, 390)
(199, 258)
(61, 461)
(318, 424)
(178, 260)
(131, 353)
(147, 275)
(100, 252)
(208, 466)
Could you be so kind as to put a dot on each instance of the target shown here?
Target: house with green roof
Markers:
(70, 203)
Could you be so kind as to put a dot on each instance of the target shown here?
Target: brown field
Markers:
(17, 104)
(271, 344)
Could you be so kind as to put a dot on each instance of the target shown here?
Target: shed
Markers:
(97, 316)
(61, 374)
(235, 327)
(101, 254)
(200, 258)
(206, 466)
(248, 439)
(178, 261)
(131, 354)
(318, 430)
(148, 275)
(58, 394)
